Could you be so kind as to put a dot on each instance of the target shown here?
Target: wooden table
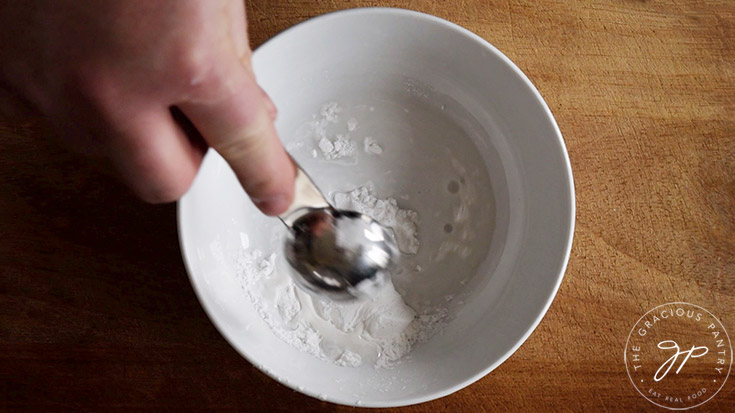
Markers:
(96, 310)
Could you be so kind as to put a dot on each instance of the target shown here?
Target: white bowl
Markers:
(446, 107)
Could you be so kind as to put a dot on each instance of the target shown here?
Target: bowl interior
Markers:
(465, 140)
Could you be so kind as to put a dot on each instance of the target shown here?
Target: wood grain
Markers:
(96, 311)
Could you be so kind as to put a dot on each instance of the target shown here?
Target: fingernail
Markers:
(272, 205)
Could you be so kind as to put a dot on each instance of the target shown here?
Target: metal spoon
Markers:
(343, 255)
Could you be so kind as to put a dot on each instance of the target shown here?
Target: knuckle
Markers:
(248, 144)
(194, 65)
(190, 60)
(207, 76)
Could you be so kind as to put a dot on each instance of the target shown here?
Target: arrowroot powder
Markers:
(379, 332)
(332, 146)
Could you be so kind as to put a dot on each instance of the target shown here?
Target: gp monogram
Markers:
(678, 356)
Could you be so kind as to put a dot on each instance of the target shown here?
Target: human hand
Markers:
(108, 74)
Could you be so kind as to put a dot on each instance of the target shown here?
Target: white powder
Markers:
(380, 331)
(349, 359)
(351, 124)
(332, 146)
(371, 146)
(341, 147)
(293, 146)
(330, 112)
(326, 146)
(404, 222)
(261, 283)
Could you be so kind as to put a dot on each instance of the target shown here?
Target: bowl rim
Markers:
(424, 17)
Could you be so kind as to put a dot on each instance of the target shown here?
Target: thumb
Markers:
(236, 119)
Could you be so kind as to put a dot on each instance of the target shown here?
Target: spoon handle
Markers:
(306, 196)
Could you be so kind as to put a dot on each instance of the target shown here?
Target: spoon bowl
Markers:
(343, 255)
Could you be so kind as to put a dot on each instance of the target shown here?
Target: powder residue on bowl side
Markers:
(340, 147)
(332, 146)
(371, 146)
